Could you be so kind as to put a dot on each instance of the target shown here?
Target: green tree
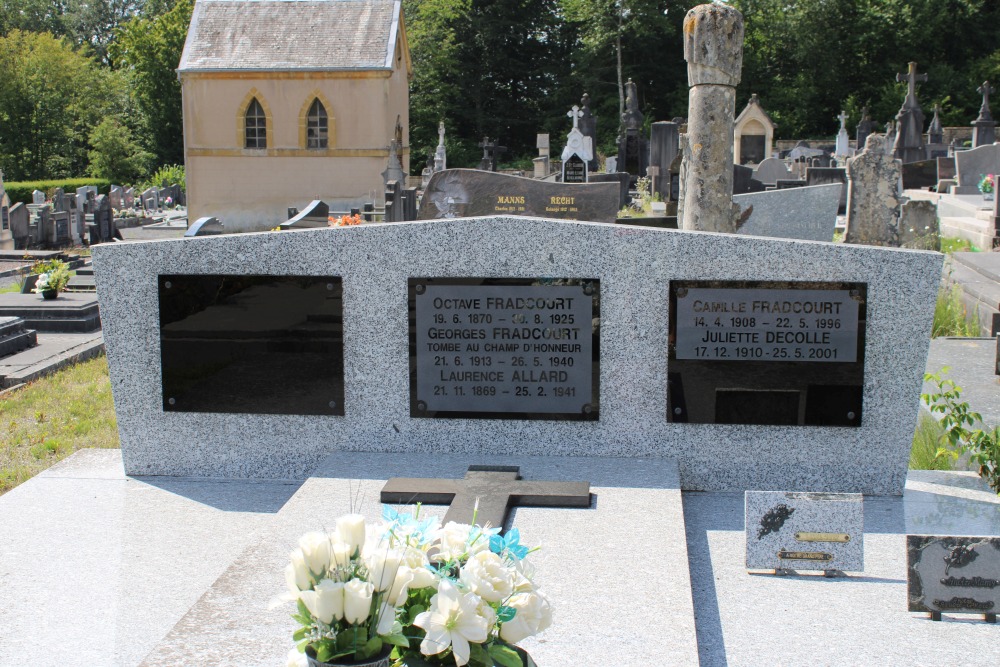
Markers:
(148, 50)
(115, 155)
(50, 97)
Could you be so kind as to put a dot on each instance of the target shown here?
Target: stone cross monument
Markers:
(843, 140)
(909, 144)
(984, 127)
(578, 152)
(588, 125)
(865, 127)
(440, 158)
(713, 49)
(935, 132)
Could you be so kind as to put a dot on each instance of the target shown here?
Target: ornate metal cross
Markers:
(495, 488)
(911, 78)
(576, 115)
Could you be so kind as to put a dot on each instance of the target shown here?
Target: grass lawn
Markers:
(51, 418)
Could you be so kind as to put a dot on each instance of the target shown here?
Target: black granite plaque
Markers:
(457, 193)
(767, 353)
(252, 344)
(575, 170)
(954, 574)
(504, 348)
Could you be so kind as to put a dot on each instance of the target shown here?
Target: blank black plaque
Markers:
(770, 389)
(252, 344)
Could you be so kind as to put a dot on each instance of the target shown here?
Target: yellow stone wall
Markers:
(251, 190)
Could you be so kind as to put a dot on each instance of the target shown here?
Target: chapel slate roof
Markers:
(228, 35)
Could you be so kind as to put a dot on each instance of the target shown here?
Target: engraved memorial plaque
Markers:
(252, 344)
(496, 348)
(953, 574)
(770, 353)
(804, 531)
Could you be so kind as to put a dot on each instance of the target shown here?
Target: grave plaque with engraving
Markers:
(769, 353)
(954, 574)
(252, 344)
(504, 348)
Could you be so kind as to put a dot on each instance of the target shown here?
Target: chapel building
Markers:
(286, 101)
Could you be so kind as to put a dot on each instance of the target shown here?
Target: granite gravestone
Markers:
(984, 127)
(793, 213)
(578, 153)
(664, 145)
(770, 170)
(459, 193)
(633, 147)
(804, 531)
(38, 198)
(491, 154)
(972, 165)
(958, 575)
(909, 141)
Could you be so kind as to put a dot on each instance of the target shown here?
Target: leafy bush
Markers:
(169, 174)
(926, 440)
(951, 317)
(116, 156)
(20, 191)
(960, 434)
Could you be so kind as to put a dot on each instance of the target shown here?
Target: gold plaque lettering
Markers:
(804, 555)
(822, 537)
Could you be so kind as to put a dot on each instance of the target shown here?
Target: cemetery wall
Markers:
(634, 266)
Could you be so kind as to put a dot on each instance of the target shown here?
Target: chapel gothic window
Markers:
(256, 126)
(316, 126)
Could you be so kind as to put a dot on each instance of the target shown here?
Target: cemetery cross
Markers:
(576, 115)
(843, 120)
(911, 78)
(984, 110)
(489, 492)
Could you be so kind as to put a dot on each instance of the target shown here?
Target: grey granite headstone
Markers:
(957, 575)
(20, 226)
(770, 170)
(918, 225)
(116, 195)
(805, 531)
(636, 264)
(972, 165)
(37, 197)
(827, 175)
(794, 213)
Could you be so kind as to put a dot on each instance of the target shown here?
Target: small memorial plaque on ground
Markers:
(775, 353)
(515, 348)
(462, 193)
(254, 344)
(805, 531)
(957, 575)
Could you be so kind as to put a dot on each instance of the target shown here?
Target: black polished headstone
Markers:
(460, 193)
(252, 344)
(486, 495)
(920, 175)
(953, 574)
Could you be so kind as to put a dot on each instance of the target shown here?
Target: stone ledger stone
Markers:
(796, 213)
(804, 531)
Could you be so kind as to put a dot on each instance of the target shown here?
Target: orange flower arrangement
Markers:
(344, 220)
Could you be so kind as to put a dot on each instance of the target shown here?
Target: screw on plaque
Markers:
(682, 292)
(333, 404)
(588, 289)
(171, 400)
(587, 408)
(168, 284)
(329, 286)
(850, 415)
(856, 294)
(420, 288)
(677, 411)
(421, 406)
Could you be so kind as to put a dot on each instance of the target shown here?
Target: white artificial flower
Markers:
(297, 573)
(456, 540)
(383, 566)
(524, 573)
(326, 601)
(357, 601)
(416, 562)
(452, 620)
(488, 576)
(340, 554)
(296, 659)
(533, 614)
(386, 618)
(315, 548)
(351, 528)
(400, 587)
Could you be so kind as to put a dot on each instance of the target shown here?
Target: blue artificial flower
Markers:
(509, 543)
(420, 530)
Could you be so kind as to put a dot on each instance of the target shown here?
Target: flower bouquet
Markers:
(344, 220)
(986, 184)
(453, 595)
(52, 277)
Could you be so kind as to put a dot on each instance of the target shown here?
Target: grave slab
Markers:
(808, 213)
(633, 526)
(52, 352)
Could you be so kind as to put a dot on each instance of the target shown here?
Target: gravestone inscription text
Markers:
(515, 348)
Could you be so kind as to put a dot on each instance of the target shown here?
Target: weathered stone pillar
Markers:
(713, 49)
(872, 196)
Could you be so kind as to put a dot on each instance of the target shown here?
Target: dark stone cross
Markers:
(984, 110)
(911, 78)
(496, 488)
(491, 152)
